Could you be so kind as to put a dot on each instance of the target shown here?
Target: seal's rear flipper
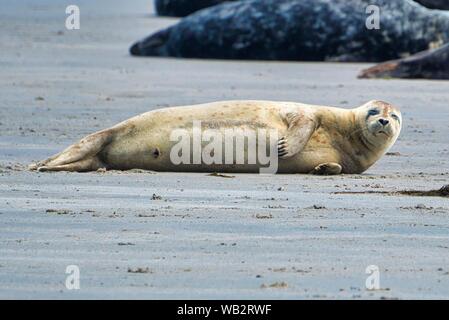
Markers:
(81, 156)
(90, 164)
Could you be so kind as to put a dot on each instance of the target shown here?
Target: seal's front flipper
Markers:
(81, 156)
(299, 130)
(330, 168)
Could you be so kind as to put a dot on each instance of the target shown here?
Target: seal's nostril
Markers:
(383, 122)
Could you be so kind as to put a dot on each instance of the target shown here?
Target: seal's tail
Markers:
(81, 156)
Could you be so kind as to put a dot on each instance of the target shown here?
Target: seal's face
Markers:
(381, 122)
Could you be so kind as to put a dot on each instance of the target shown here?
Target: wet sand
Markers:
(251, 236)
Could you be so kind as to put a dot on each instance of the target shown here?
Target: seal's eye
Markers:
(395, 117)
(373, 112)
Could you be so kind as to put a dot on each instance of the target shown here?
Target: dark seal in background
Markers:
(182, 8)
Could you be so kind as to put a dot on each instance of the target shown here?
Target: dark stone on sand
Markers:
(435, 4)
(182, 8)
(319, 30)
(430, 64)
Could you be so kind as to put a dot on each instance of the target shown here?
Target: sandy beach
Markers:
(148, 235)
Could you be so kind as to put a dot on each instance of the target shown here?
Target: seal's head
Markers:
(380, 123)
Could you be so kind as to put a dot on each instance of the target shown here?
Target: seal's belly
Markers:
(216, 147)
(209, 146)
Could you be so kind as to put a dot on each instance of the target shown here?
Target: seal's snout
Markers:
(153, 45)
(383, 122)
(134, 50)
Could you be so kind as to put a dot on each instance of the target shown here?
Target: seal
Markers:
(319, 30)
(430, 64)
(310, 139)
